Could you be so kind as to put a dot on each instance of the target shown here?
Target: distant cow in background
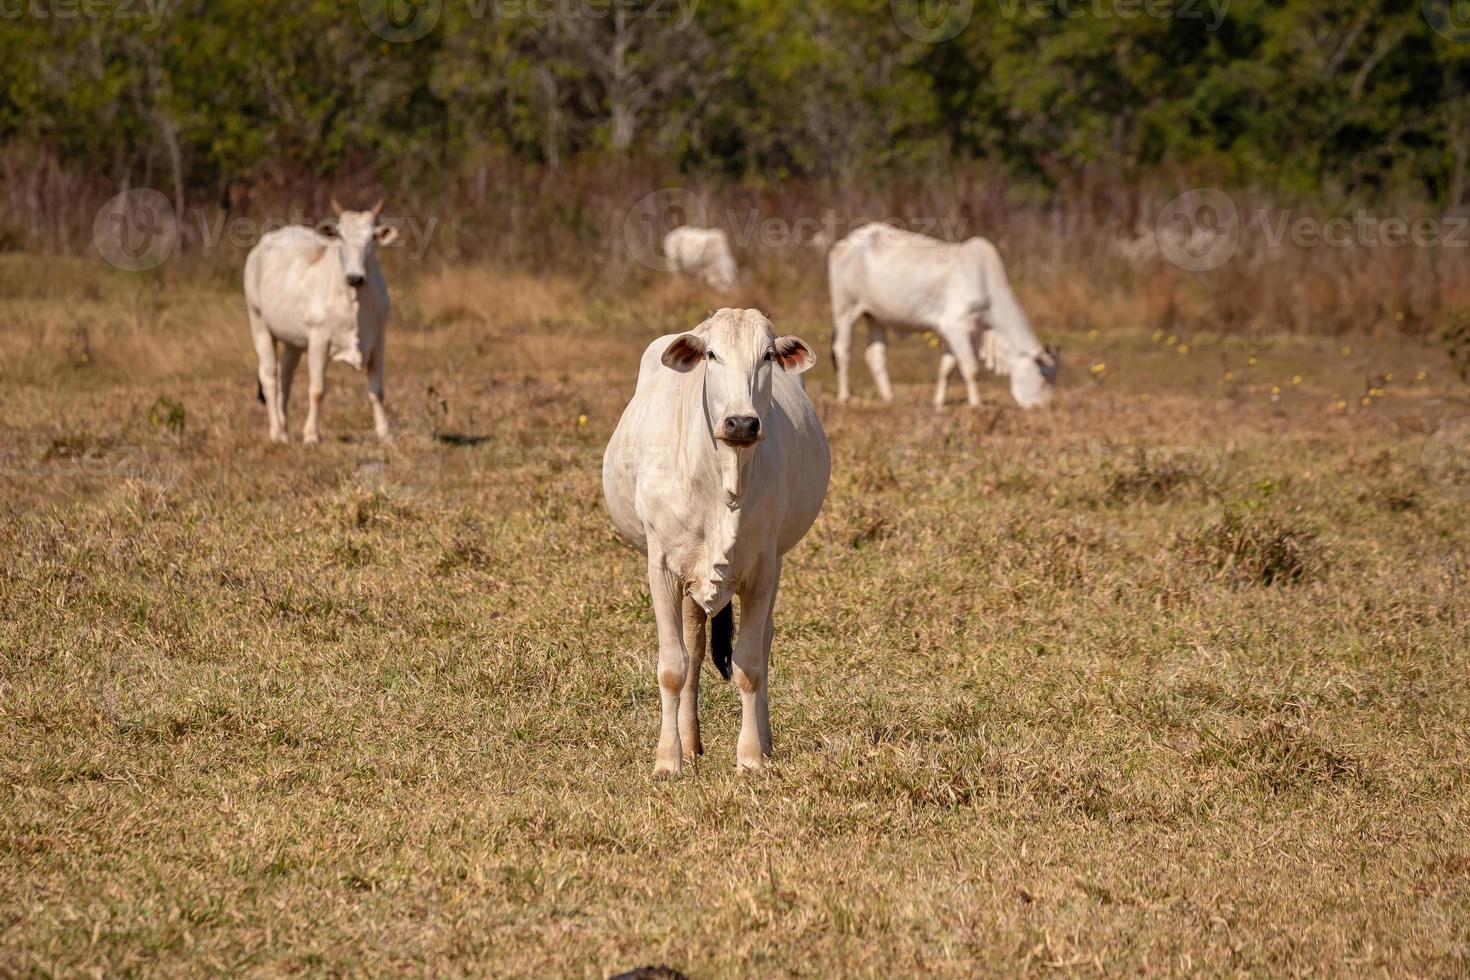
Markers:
(319, 292)
(718, 467)
(960, 291)
(703, 253)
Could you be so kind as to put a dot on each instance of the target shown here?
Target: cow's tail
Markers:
(722, 639)
(260, 391)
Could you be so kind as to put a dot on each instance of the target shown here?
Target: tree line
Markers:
(1335, 97)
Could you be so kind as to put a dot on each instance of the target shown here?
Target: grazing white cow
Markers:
(717, 468)
(703, 253)
(901, 279)
(319, 292)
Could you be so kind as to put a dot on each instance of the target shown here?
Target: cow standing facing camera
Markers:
(717, 468)
(318, 292)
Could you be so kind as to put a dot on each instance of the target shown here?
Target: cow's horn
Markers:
(377, 207)
(337, 208)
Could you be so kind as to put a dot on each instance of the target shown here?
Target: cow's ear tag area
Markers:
(385, 234)
(795, 356)
(686, 351)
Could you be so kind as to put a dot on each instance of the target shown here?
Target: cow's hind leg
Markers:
(844, 318)
(673, 663)
(316, 368)
(694, 630)
(752, 662)
(375, 391)
(877, 357)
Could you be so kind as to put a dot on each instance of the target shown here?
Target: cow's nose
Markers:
(742, 428)
(355, 280)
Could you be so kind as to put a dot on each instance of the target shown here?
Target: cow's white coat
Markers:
(322, 295)
(900, 279)
(703, 253)
(714, 514)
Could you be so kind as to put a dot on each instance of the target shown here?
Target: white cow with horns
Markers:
(909, 281)
(319, 292)
(717, 468)
(703, 253)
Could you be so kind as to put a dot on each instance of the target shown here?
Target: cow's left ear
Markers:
(795, 356)
(386, 234)
(686, 351)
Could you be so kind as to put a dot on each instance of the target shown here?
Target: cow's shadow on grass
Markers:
(460, 438)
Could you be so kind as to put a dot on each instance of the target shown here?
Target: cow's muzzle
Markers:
(355, 280)
(741, 430)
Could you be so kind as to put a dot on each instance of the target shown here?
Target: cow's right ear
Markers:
(686, 351)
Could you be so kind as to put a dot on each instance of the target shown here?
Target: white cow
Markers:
(717, 468)
(901, 279)
(318, 292)
(703, 253)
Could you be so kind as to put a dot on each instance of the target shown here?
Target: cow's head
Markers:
(737, 351)
(1034, 377)
(357, 233)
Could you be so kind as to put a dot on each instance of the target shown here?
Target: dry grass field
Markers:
(1169, 679)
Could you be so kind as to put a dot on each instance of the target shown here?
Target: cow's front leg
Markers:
(963, 348)
(946, 368)
(694, 630)
(375, 391)
(673, 663)
(877, 357)
(752, 662)
(316, 368)
(290, 358)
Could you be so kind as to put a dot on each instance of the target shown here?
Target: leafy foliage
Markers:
(1302, 95)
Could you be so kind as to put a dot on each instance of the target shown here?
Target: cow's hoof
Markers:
(311, 439)
(752, 765)
(281, 438)
(662, 773)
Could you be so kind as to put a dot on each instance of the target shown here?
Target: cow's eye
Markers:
(709, 355)
(770, 355)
